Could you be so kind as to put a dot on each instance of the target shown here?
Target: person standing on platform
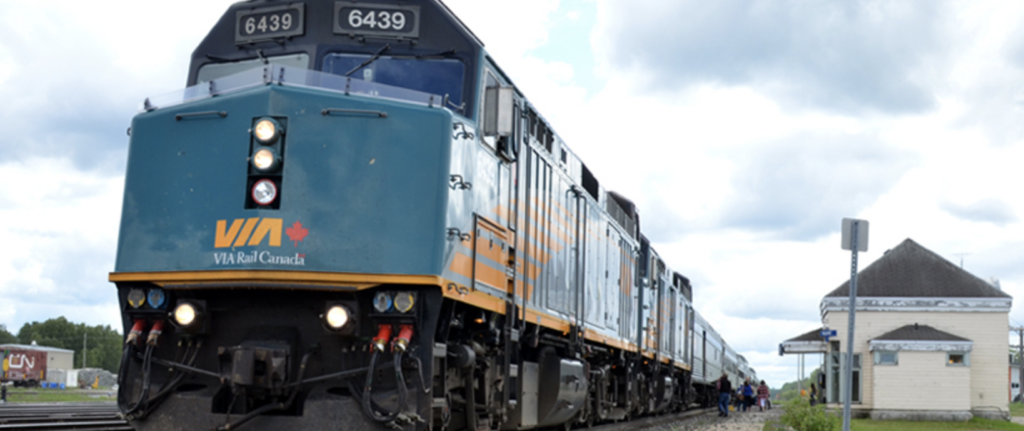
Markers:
(748, 395)
(762, 395)
(724, 389)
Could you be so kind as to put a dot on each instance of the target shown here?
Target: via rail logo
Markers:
(254, 231)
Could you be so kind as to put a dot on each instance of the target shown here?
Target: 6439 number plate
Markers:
(376, 19)
(269, 23)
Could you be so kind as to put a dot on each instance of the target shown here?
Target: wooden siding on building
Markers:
(921, 381)
(988, 360)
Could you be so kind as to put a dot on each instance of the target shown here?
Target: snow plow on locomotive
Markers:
(352, 216)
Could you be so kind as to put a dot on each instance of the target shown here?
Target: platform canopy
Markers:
(811, 342)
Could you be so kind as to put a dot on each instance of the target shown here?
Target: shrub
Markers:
(801, 416)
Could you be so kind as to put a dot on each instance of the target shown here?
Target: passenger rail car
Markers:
(351, 215)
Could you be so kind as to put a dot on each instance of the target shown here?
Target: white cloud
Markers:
(60, 236)
(71, 78)
(508, 33)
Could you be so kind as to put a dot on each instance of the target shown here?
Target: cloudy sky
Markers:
(744, 130)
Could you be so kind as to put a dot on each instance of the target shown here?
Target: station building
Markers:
(929, 344)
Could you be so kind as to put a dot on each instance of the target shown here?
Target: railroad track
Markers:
(655, 421)
(61, 416)
(104, 416)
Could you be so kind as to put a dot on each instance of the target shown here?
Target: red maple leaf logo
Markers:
(296, 233)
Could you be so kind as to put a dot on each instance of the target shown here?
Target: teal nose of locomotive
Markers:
(332, 182)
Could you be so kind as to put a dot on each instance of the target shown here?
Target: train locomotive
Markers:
(352, 217)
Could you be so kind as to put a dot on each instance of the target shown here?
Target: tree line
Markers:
(792, 389)
(103, 342)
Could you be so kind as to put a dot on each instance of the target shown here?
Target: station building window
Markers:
(958, 359)
(886, 358)
(855, 385)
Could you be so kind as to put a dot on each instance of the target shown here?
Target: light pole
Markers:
(855, 238)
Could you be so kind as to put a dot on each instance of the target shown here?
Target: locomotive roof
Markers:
(317, 34)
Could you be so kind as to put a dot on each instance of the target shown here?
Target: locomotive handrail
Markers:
(221, 114)
(329, 111)
(276, 74)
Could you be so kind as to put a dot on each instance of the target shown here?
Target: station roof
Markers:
(912, 271)
(811, 342)
(36, 348)
(814, 335)
(917, 332)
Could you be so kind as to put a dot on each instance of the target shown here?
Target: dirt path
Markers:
(737, 421)
(740, 421)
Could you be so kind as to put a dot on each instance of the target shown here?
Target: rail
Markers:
(62, 416)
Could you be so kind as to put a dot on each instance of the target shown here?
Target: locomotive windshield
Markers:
(438, 76)
(211, 71)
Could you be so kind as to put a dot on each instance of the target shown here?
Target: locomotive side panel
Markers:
(628, 292)
(666, 311)
(605, 298)
(730, 365)
(714, 354)
(698, 356)
(682, 330)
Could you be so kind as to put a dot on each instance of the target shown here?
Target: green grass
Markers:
(973, 424)
(976, 424)
(37, 395)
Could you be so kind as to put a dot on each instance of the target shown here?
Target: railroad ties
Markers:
(688, 420)
(104, 416)
(61, 416)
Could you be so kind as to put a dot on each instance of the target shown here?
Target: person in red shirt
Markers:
(762, 395)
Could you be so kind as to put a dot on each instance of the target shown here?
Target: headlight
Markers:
(404, 301)
(264, 192)
(185, 314)
(337, 317)
(382, 302)
(265, 159)
(267, 131)
(136, 298)
(156, 298)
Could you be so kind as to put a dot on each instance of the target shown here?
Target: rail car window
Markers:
(209, 72)
(438, 76)
(533, 123)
